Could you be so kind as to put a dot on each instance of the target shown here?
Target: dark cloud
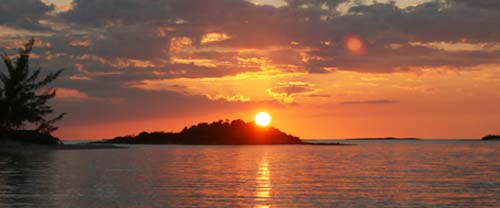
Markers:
(100, 13)
(292, 88)
(24, 14)
(103, 33)
(133, 29)
(318, 3)
(381, 26)
(137, 42)
(286, 92)
(369, 102)
(485, 4)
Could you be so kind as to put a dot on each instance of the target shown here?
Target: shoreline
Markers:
(31, 147)
(328, 144)
(384, 139)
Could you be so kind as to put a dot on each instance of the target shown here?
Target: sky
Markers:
(321, 68)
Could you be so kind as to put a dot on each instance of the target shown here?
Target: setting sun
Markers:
(262, 119)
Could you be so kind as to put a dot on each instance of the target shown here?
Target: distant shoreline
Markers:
(385, 138)
(21, 147)
(325, 144)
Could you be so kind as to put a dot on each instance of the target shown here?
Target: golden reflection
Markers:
(263, 181)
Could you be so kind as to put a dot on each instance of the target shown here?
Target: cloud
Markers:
(286, 92)
(74, 95)
(233, 98)
(193, 38)
(309, 34)
(24, 14)
(484, 4)
(71, 94)
(216, 47)
(137, 42)
(100, 13)
(369, 102)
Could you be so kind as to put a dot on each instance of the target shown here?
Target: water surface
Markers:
(371, 174)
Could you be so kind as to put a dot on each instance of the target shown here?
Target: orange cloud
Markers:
(214, 37)
(74, 95)
(71, 95)
(80, 43)
(238, 98)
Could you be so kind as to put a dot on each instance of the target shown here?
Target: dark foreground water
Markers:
(372, 174)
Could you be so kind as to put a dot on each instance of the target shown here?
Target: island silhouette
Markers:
(491, 137)
(236, 132)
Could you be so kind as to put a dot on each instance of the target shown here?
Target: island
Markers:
(492, 138)
(236, 132)
(385, 138)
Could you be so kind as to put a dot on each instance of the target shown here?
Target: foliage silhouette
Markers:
(236, 132)
(23, 96)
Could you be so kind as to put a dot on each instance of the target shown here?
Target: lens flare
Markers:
(354, 45)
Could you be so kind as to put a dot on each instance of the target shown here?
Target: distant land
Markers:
(30, 140)
(384, 138)
(28, 137)
(491, 137)
(236, 132)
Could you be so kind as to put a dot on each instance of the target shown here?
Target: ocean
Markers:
(434, 173)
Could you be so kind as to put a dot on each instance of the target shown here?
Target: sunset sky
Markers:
(321, 68)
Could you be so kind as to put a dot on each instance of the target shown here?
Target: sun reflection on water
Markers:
(263, 183)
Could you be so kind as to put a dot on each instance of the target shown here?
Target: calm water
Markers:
(372, 174)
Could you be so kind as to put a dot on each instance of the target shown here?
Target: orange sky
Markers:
(322, 69)
(428, 104)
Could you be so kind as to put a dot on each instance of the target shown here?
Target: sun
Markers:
(262, 118)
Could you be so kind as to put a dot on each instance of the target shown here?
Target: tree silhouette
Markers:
(23, 98)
